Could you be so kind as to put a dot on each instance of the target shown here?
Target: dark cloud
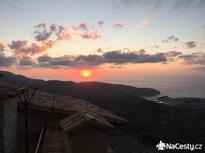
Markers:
(26, 61)
(190, 44)
(170, 39)
(7, 61)
(194, 58)
(2, 47)
(101, 23)
(117, 57)
(119, 25)
(47, 61)
(43, 32)
(100, 50)
(112, 57)
(44, 59)
(17, 44)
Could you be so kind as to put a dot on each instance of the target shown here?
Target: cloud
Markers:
(100, 50)
(26, 61)
(197, 58)
(111, 57)
(47, 61)
(42, 32)
(47, 35)
(101, 23)
(62, 34)
(7, 61)
(117, 57)
(83, 26)
(22, 49)
(17, 44)
(172, 54)
(190, 44)
(170, 39)
(119, 25)
(159, 4)
(93, 35)
(144, 23)
(2, 47)
(17, 8)
(45, 31)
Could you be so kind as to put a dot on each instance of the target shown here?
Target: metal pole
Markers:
(26, 126)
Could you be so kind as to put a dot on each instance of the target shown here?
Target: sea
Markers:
(168, 86)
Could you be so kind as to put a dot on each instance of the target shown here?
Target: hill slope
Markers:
(148, 120)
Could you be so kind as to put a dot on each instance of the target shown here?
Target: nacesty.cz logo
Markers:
(178, 146)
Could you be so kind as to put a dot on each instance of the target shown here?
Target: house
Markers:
(73, 125)
(60, 124)
(86, 132)
(78, 133)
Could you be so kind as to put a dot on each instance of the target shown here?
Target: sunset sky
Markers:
(63, 39)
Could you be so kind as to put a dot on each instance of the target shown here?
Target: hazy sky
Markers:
(57, 39)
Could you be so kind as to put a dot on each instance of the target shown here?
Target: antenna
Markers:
(25, 96)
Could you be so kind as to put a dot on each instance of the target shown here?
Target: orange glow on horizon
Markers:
(86, 73)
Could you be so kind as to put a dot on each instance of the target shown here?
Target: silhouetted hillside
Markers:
(174, 120)
(97, 92)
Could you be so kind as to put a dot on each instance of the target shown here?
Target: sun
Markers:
(86, 73)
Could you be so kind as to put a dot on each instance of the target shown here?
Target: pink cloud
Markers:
(83, 26)
(2, 47)
(144, 23)
(93, 35)
(34, 48)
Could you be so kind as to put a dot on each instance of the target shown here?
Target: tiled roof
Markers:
(67, 105)
(55, 142)
(80, 119)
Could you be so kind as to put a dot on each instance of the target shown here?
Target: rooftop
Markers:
(67, 105)
(80, 119)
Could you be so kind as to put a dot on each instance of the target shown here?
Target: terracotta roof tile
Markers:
(67, 105)
(80, 119)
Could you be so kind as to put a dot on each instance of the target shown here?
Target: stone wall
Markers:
(1, 127)
(8, 126)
